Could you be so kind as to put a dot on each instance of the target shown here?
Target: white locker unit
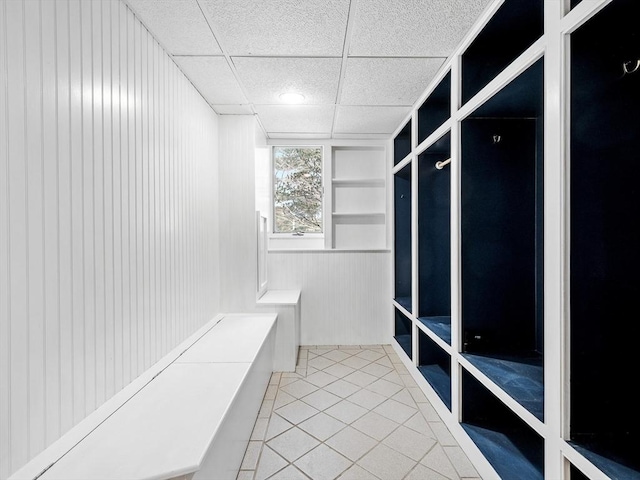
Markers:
(515, 244)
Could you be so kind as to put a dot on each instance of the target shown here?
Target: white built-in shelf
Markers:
(358, 182)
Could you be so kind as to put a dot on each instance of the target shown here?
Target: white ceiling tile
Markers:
(369, 120)
(265, 79)
(279, 27)
(299, 136)
(296, 118)
(412, 27)
(179, 26)
(213, 78)
(233, 109)
(387, 81)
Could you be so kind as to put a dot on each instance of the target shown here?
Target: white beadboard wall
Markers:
(345, 294)
(238, 240)
(108, 213)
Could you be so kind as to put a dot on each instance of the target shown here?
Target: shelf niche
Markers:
(511, 446)
(513, 28)
(403, 332)
(402, 144)
(604, 239)
(575, 474)
(402, 237)
(435, 110)
(435, 366)
(502, 238)
(434, 239)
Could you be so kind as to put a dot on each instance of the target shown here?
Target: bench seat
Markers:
(192, 420)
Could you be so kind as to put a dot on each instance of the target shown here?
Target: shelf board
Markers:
(520, 377)
(405, 343)
(440, 380)
(606, 465)
(358, 182)
(440, 325)
(506, 458)
(378, 215)
(404, 302)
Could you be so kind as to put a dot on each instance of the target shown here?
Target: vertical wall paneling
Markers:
(50, 205)
(237, 212)
(108, 213)
(18, 233)
(34, 192)
(65, 252)
(5, 285)
(329, 317)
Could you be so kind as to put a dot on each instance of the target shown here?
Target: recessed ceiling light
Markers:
(292, 97)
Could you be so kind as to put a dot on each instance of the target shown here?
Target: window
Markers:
(297, 190)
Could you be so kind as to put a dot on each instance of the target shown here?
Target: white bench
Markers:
(192, 420)
(286, 304)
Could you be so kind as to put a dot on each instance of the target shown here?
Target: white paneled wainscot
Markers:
(343, 293)
(108, 213)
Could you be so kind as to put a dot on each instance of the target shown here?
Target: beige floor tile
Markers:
(342, 389)
(337, 355)
(357, 473)
(460, 462)
(376, 370)
(292, 444)
(355, 362)
(351, 443)
(289, 473)
(270, 463)
(251, 456)
(409, 442)
(367, 399)
(321, 399)
(299, 389)
(321, 379)
(384, 387)
(375, 425)
(346, 411)
(296, 412)
(277, 425)
(322, 426)
(360, 378)
(421, 472)
(320, 362)
(386, 463)
(350, 413)
(396, 411)
(339, 370)
(322, 463)
(438, 461)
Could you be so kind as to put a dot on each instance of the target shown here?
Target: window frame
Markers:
(294, 235)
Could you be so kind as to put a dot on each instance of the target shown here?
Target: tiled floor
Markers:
(350, 413)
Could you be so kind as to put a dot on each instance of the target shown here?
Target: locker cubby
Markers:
(434, 238)
(508, 443)
(435, 366)
(402, 144)
(435, 110)
(575, 474)
(513, 28)
(604, 238)
(403, 332)
(402, 237)
(502, 238)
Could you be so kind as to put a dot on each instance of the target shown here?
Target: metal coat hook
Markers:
(628, 67)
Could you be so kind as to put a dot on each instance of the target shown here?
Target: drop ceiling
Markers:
(360, 64)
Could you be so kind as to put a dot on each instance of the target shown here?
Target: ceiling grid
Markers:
(361, 66)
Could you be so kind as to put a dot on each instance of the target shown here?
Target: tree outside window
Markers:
(297, 189)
